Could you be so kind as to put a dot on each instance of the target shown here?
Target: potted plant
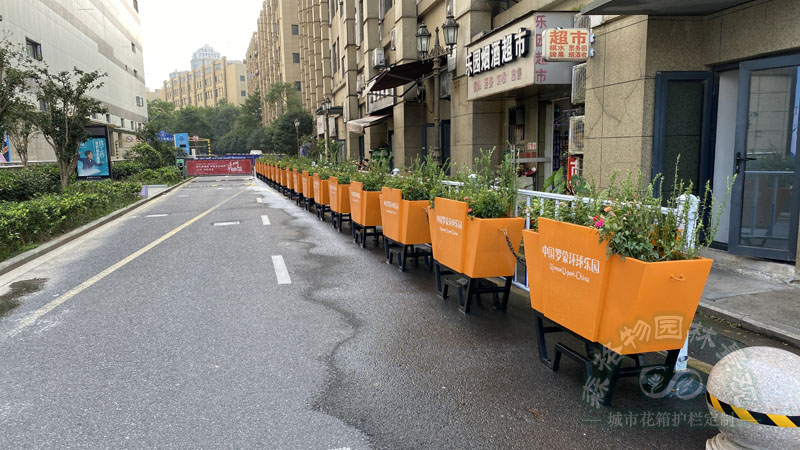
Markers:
(617, 269)
(404, 201)
(473, 230)
(339, 195)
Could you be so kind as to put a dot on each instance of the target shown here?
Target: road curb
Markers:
(24, 258)
(750, 324)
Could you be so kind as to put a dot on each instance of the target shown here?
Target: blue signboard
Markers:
(163, 136)
(182, 142)
(93, 158)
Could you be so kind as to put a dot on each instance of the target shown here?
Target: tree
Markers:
(284, 95)
(21, 129)
(250, 114)
(193, 120)
(66, 108)
(160, 116)
(224, 119)
(15, 76)
(283, 134)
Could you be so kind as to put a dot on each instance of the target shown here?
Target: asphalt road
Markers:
(151, 332)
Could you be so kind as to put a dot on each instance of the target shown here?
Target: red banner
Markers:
(200, 167)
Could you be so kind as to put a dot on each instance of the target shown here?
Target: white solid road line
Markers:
(33, 317)
(264, 220)
(157, 215)
(280, 270)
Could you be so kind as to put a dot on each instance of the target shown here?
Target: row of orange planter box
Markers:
(624, 304)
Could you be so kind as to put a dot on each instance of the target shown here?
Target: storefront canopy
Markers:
(398, 75)
(357, 126)
(659, 7)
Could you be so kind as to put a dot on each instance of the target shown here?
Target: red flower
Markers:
(469, 210)
(599, 223)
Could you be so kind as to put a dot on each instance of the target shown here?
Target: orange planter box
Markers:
(475, 247)
(289, 179)
(321, 191)
(308, 185)
(296, 180)
(339, 195)
(627, 305)
(365, 206)
(404, 221)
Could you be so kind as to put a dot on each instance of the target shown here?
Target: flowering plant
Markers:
(489, 192)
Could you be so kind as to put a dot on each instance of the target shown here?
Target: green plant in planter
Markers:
(374, 178)
(489, 193)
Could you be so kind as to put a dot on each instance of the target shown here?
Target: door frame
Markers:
(737, 192)
(659, 124)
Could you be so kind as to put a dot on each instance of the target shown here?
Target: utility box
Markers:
(181, 163)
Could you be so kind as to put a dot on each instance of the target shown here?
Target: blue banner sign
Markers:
(163, 136)
(182, 142)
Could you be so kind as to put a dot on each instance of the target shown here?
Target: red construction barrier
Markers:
(200, 167)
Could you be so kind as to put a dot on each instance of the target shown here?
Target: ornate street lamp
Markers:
(297, 131)
(423, 41)
(450, 28)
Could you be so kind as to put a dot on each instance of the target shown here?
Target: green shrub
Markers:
(27, 223)
(162, 175)
(25, 184)
(121, 170)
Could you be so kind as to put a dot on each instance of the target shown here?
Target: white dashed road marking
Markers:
(223, 224)
(264, 220)
(157, 215)
(280, 270)
(259, 200)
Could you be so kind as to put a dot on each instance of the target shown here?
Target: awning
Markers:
(357, 125)
(659, 7)
(398, 75)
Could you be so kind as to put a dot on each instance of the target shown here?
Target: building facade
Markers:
(64, 36)
(208, 85)
(715, 82)
(203, 56)
(273, 55)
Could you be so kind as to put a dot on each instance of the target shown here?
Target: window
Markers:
(244, 94)
(42, 105)
(241, 77)
(136, 74)
(122, 122)
(334, 58)
(136, 5)
(34, 49)
(342, 63)
(297, 86)
(133, 47)
(296, 58)
(295, 29)
(108, 118)
(139, 101)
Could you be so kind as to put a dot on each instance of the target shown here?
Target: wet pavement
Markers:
(200, 341)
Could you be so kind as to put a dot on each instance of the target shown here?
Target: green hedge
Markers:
(121, 170)
(25, 224)
(162, 175)
(18, 185)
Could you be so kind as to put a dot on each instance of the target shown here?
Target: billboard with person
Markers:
(93, 158)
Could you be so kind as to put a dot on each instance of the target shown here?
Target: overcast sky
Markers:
(173, 29)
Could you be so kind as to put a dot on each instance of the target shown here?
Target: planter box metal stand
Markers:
(321, 210)
(610, 363)
(339, 218)
(360, 233)
(467, 287)
(404, 252)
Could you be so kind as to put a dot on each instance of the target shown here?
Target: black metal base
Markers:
(299, 200)
(340, 218)
(321, 210)
(470, 287)
(404, 252)
(602, 366)
(360, 234)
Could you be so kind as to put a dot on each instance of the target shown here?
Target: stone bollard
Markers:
(754, 396)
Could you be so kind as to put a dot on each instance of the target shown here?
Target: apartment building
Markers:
(212, 83)
(714, 81)
(65, 35)
(274, 55)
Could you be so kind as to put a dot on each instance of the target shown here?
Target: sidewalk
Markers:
(770, 308)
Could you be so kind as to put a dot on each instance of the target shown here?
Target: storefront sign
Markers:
(320, 125)
(380, 99)
(567, 44)
(513, 58)
(574, 168)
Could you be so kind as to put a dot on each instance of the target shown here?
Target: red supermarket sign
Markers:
(200, 167)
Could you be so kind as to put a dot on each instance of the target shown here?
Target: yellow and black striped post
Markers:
(774, 420)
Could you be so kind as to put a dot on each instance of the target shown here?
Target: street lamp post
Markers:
(450, 28)
(297, 132)
(326, 107)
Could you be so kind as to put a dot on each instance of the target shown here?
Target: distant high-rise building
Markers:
(208, 84)
(204, 55)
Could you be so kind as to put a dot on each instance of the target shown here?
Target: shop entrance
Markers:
(765, 201)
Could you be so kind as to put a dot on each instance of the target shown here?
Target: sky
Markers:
(173, 29)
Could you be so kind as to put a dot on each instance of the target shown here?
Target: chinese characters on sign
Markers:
(566, 44)
(498, 53)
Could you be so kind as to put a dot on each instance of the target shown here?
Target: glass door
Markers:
(765, 200)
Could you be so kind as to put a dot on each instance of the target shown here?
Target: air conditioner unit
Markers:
(579, 84)
(378, 60)
(576, 135)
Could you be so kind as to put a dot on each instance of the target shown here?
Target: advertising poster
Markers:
(5, 154)
(182, 142)
(93, 159)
